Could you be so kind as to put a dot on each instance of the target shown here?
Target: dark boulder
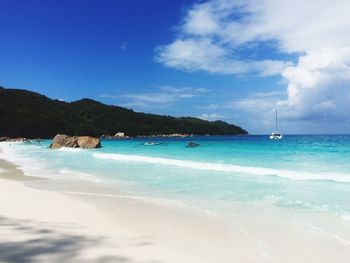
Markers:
(192, 145)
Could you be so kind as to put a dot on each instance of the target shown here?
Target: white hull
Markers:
(276, 137)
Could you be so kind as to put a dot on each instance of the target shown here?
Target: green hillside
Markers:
(28, 114)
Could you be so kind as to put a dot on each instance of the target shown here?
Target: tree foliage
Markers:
(28, 114)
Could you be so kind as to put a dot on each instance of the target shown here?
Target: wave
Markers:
(220, 167)
(298, 203)
(67, 149)
(68, 173)
(30, 166)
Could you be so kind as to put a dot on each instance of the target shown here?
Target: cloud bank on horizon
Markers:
(215, 37)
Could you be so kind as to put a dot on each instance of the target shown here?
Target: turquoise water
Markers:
(310, 172)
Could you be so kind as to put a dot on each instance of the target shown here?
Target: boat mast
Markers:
(276, 119)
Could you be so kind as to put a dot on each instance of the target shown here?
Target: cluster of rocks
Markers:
(9, 139)
(86, 142)
(173, 135)
(119, 135)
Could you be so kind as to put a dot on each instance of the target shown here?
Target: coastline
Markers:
(95, 224)
(100, 227)
(51, 226)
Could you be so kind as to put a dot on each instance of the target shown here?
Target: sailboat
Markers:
(276, 135)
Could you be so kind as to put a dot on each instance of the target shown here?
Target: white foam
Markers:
(221, 167)
(280, 201)
(67, 173)
(67, 149)
(36, 167)
(29, 166)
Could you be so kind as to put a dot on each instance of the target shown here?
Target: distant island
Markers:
(28, 114)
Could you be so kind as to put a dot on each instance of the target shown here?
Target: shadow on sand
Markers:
(37, 242)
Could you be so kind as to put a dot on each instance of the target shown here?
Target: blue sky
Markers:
(216, 59)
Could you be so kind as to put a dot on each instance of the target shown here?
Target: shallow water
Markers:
(303, 173)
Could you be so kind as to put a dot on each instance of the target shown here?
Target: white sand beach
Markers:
(74, 222)
(46, 226)
(187, 131)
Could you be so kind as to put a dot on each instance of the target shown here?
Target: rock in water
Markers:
(62, 140)
(9, 139)
(88, 142)
(192, 145)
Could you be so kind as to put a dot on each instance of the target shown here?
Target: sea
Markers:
(307, 172)
(295, 190)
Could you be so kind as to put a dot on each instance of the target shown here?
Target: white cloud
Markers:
(215, 36)
(194, 54)
(211, 116)
(256, 112)
(262, 104)
(211, 33)
(319, 86)
(208, 41)
(201, 21)
(297, 25)
(161, 97)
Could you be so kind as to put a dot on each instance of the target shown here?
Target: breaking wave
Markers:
(220, 167)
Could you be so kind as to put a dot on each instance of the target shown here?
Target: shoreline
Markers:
(72, 219)
(142, 229)
(159, 232)
(114, 137)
